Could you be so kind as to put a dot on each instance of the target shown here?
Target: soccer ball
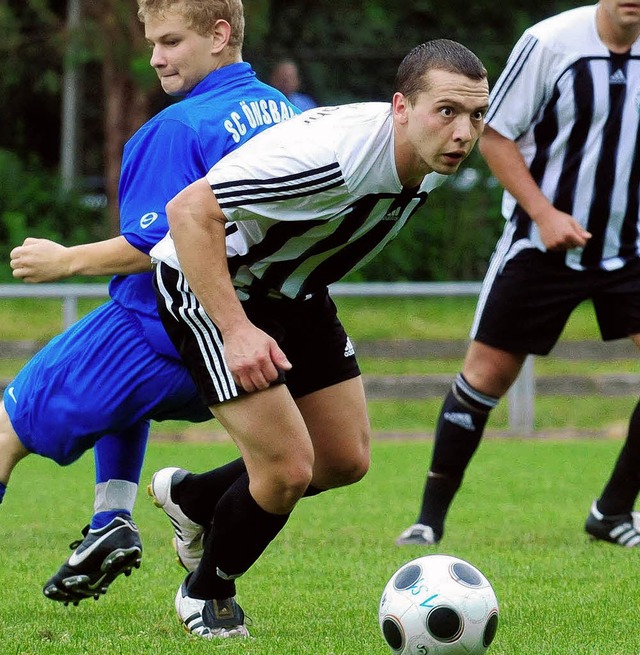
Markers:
(438, 605)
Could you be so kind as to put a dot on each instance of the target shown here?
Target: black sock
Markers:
(241, 532)
(462, 420)
(199, 493)
(621, 491)
(312, 491)
(199, 497)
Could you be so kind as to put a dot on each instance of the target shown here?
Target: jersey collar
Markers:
(221, 77)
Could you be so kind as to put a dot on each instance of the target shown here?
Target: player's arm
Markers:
(559, 230)
(197, 226)
(42, 260)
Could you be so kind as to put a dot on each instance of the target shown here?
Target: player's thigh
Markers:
(269, 431)
(338, 423)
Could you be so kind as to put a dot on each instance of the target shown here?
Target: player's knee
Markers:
(490, 370)
(352, 472)
(280, 490)
(345, 470)
(11, 448)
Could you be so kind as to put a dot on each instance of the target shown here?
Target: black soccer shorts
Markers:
(525, 306)
(308, 331)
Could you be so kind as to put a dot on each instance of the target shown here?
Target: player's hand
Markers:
(253, 357)
(40, 260)
(561, 231)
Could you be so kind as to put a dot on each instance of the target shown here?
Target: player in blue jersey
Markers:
(103, 380)
(563, 138)
(242, 285)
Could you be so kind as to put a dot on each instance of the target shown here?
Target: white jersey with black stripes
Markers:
(573, 109)
(311, 199)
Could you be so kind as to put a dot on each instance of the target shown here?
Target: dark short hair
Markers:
(439, 54)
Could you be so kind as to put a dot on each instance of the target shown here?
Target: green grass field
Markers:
(518, 517)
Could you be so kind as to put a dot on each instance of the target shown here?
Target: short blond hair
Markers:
(201, 15)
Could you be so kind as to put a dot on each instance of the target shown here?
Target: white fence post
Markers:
(521, 400)
(69, 310)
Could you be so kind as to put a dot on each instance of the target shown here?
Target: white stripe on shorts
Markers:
(505, 250)
(207, 336)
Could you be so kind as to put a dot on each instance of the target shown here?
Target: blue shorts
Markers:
(100, 376)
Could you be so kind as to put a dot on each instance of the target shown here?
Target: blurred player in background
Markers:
(286, 78)
(563, 138)
(242, 289)
(103, 380)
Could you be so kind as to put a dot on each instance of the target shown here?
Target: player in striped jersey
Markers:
(104, 379)
(563, 137)
(242, 288)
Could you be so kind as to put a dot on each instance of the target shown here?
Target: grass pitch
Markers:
(518, 517)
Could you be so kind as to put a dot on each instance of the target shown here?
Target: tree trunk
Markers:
(126, 105)
(126, 109)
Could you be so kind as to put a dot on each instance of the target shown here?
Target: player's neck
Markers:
(616, 36)
(410, 169)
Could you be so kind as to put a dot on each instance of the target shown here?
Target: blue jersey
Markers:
(116, 367)
(174, 149)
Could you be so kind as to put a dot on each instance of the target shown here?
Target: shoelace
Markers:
(74, 544)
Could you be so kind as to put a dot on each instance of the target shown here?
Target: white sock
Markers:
(115, 494)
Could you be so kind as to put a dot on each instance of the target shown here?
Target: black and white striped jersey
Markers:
(573, 108)
(311, 199)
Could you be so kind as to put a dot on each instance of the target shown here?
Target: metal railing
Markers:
(520, 398)
(67, 293)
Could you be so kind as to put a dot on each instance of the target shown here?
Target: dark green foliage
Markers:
(31, 51)
(33, 204)
(350, 49)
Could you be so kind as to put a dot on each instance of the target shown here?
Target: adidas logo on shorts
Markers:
(349, 350)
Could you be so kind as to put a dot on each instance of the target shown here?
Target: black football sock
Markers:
(461, 423)
(312, 491)
(621, 491)
(241, 532)
(199, 493)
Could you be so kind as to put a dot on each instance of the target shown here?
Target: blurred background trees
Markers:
(76, 83)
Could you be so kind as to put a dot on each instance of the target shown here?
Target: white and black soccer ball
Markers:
(438, 605)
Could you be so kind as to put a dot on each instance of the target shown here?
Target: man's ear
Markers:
(400, 105)
(220, 36)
